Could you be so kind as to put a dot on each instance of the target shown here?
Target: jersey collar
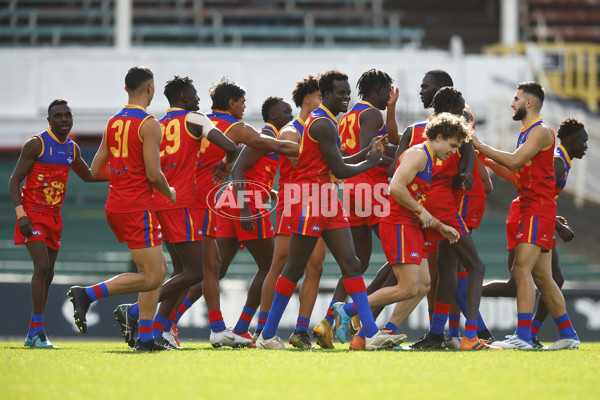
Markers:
(54, 136)
(529, 125)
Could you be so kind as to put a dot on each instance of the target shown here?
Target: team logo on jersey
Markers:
(414, 254)
(37, 233)
(159, 235)
(316, 228)
(231, 198)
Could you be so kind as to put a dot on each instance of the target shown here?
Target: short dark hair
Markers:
(269, 103)
(56, 102)
(534, 89)
(136, 76)
(372, 80)
(224, 91)
(326, 80)
(568, 127)
(445, 99)
(449, 126)
(440, 77)
(303, 88)
(175, 86)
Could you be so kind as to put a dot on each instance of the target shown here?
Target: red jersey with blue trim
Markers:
(312, 166)
(561, 153)
(46, 183)
(349, 131)
(209, 156)
(178, 159)
(262, 174)
(535, 179)
(418, 189)
(287, 170)
(129, 189)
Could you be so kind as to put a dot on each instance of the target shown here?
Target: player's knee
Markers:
(41, 269)
(351, 267)
(196, 276)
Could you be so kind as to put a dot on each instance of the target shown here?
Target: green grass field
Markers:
(103, 370)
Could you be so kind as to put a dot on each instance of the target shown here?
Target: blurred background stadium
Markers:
(80, 51)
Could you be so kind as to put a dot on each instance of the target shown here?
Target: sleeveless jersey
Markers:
(287, 170)
(178, 159)
(262, 174)
(561, 153)
(349, 131)
(209, 156)
(535, 179)
(418, 189)
(129, 189)
(46, 183)
(312, 166)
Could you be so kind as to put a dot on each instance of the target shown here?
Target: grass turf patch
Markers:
(113, 371)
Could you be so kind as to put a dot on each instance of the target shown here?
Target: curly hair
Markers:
(222, 92)
(303, 88)
(449, 126)
(568, 127)
(175, 86)
(326, 80)
(446, 99)
(372, 80)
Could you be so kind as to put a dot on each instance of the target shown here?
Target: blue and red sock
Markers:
(244, 321)
(565, 327)
(262, 319)
(215, 320)
(350, 309)
(302, 324)
(329, 316)
(535, 327)
(159, 326)
(183, 307)
(36, 325)
(430, 312)
(97, 291)
(284, 289)
(134, 311)
(454, 325)
(390, 328)
(439, 318)
(357, 290)
(471, 329)
(145, 330)
(524, 326)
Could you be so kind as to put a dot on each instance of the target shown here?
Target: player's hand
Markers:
(449, 233)
(394, 95)
(25, 226)
(476, 142)
(221, 171)
(379, 142)
(246, 219)
(344, 151)
(374, 158)
(172, 195)
(427, 220)
(463, 181)
(564, 231)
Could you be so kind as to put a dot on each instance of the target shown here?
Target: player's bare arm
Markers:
(244, 133)
(291, 134)
(466, 163)
(247, 158)
(151, 134)
(80, 167)
(100, 168)
(402, 146)
(488, 186)
(564, 231)
(390, 117)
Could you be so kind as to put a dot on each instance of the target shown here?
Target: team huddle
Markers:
(169, 183)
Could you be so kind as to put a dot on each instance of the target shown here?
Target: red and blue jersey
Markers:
(129, 188)
(312, 166)
(178, 159)
(561, 153)
(46, 183)
(349, 131)
(535, 179)
(262, 174)
(418, 189)
(209, 156)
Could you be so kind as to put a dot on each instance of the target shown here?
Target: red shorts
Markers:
(537, 230)
(453, 220)
(139, 229)
(402, 244)
(431, 246)
(180, 224)
(470, 208)
(46, 228)
(228, 224)
(309, 220)
(282, 222)
(364, 208)
(207, 221)
(512, 229)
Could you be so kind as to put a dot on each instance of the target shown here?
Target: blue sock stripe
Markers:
(454, 317)
(104, 289)
(361, 302)
(390, 327)
(303, 320)
(249, 311)
(187, 302)
(481, 326)
(134, 311)
(561, 319)
(37, 318)
(536, 324)
(280, 302)
(349, 309)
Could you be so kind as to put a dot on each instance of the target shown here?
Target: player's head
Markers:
(432, 81)
(573, 137)
(60, 117)
(228, 96)
(446, 133)
(276, 111)
(450, 100)
(376, 86)
(140, 81)
(335, 90)
(529, 97)
(180, 92)
(307, 93)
